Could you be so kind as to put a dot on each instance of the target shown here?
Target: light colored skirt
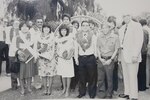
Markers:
(65, 68)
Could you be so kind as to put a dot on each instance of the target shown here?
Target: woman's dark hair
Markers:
(112, 19)
(23, 23)
(75, 22)
(92, 22)
(63, 27)
(46, 25)
(143, 22)
(85, 21)
(66, 15)
(123, 23)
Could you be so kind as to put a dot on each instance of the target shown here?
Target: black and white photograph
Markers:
(75, 49)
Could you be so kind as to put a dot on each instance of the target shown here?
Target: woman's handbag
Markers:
(15, 65)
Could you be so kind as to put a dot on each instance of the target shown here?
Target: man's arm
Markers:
(76, 54)
(117, 46)
(99, 53)
(95, 46)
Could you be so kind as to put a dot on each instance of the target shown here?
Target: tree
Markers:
(30, 9)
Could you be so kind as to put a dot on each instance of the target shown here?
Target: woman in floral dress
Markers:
(46, 62)
(65, 51)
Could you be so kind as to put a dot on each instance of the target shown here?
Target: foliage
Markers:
(31, 9)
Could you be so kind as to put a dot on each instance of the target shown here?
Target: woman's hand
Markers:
(71, 53)
(43, 48)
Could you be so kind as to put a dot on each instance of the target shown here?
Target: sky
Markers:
(121, 7)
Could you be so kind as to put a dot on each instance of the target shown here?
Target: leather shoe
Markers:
(92, 97)
(124, 96)
(80, 96)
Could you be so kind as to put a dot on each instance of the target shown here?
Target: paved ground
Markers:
(37, 94)
(4, 80)
(7, 94)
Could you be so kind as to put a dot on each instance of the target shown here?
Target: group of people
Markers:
(79, 53)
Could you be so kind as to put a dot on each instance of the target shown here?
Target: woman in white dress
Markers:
(65, 51)
(46, 62)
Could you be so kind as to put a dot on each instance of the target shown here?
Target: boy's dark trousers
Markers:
(14, 76)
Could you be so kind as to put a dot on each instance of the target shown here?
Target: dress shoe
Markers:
(92, 97)
(147, 87)
(8, 74)
(124, 96)
(80, 96)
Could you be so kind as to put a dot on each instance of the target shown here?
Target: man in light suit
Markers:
(131, 40)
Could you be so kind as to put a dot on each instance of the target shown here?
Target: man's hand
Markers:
(134, 59)
(108, 62)
(71, 53)
(77, 62)
(36, 57)
(103, 61)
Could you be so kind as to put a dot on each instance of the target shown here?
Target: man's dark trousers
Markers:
(75, 79)
(87, 72)
(105, 79)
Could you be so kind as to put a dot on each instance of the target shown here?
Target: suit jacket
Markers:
(133, 41)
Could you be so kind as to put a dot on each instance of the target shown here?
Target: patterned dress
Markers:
(46, 49)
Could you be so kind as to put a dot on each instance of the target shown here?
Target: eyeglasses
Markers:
(39, 22)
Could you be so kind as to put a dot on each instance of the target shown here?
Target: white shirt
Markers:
(1, 33)
(7, 31)
(13, 47)
(35, 34)
(91, 50)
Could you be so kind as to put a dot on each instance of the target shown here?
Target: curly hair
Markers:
(64, 27)
(46, 25)
(22, 24)
(75, 22)
(66, 15)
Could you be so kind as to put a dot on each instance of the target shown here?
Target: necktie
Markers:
(124, 33)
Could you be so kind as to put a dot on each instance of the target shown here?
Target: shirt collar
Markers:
(108, 36)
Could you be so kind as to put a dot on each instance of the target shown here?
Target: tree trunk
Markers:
(89, 5)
